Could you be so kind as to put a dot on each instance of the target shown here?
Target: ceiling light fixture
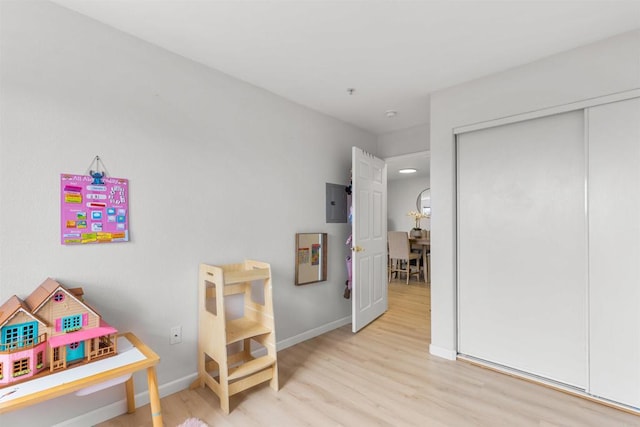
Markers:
(391, 113)
(408, 170)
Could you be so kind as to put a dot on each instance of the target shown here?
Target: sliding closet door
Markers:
(614, 251)
(522, 259)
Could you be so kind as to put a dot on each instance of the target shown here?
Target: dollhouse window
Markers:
(40, 360)
(1, 371)
(71, 323)
(11, 337)
(58, 297)
(28, 334)
(20, 367)
(74, 345)
(19, 335)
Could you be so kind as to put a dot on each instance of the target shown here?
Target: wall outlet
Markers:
(176, 335)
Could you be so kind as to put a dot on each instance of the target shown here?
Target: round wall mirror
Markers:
(423, 202)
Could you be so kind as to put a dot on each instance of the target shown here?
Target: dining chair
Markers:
(400, 255)
(419, 248)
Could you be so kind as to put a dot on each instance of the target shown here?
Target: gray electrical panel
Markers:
(336, 201)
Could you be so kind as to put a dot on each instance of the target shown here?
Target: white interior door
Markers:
(369, 231)
(522, 252)
(614, 251)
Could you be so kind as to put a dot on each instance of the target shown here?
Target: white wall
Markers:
(401, 198)
(404, 141)
(219, 171)
(602, 68)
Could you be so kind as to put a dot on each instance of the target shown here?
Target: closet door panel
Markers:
(614, 251)
(522, 260)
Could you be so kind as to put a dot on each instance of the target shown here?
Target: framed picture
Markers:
(311, 258)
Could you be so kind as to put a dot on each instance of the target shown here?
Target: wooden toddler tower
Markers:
(225, 360)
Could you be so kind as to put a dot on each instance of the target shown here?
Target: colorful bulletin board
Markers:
(93, 210)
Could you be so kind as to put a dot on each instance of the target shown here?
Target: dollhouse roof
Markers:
(45, 291)
(11, 307)
(42, 293)
(77, 292)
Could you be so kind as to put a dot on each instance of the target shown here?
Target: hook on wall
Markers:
(99, 172)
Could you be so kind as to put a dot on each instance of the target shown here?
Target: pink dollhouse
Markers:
(50, 330)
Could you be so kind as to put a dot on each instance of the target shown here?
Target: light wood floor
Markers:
(384, 376)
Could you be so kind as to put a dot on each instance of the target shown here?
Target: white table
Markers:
(133, 355)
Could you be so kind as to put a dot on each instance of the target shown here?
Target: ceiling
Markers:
(418, 161)
(393, 53)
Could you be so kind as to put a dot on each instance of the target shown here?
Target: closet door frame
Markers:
(579, 105)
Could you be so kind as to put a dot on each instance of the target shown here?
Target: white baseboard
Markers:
(120, 407)
(312, 333)
(442, 352)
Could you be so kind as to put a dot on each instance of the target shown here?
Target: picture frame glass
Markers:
(311, 258)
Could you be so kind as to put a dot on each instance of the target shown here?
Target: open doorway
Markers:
(406, 199)
(403, 189)
(403, 193)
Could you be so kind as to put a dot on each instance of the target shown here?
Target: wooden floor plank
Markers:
(385, 376)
